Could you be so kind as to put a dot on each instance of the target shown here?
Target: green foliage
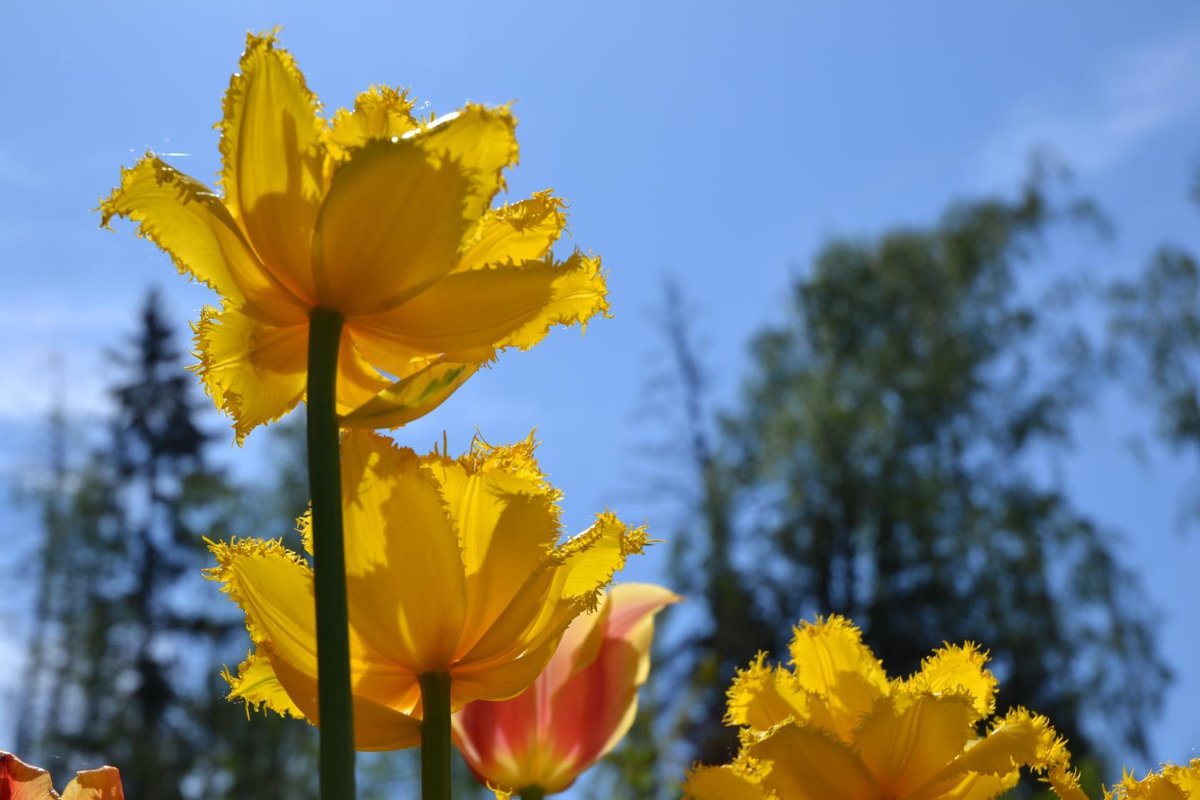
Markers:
(878, 465)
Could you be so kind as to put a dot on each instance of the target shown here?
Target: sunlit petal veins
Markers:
(397, 525)
(390, 225)
(515, 233)
(807, 763)
(468, 316)
(272, 159)
(478, 140)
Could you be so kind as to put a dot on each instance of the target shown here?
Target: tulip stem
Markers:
(532, 793)
(435, 736)
(329, 559)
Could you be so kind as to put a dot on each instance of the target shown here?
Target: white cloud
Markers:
(1138, 93)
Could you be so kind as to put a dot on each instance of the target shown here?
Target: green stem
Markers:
(329, 559)
(435, 736)
(532, 793)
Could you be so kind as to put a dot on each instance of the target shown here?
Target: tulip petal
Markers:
(95, 784)
(831, 661)
(255, 372)
(20, 781)
(721, 783)
(257, 686)
(274, 588)
(183, 217)
(467, 316)
(956, 668)
(906, 744)
(390, 225)
(272, 154)
(807, 763)
(1019, 739)
(358, 382)
(480, 141)
(379, 113)
(507, 520)
(762, 697)
(405, 581)
(411, 397)
(520, 232)
(271, 682)
(595, 708)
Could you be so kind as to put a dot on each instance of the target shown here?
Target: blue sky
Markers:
(720, 142)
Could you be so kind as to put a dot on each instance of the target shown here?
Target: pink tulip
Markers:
(577, 710)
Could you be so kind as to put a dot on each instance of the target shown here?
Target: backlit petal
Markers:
(907, 743)
(956, 668)
(183, 217)
(515, 233)
(257, 686)
(722, 783)
(95, 784)
(255, 372)
(480, 141)
(806, 763)
(381, 112)
(404, 569)
(272, 157)
(358, 381)
(391, 224)
(469, 315)
(763, 696)
(411, 397)
(20, 781)
(831, 661)
(507, 519)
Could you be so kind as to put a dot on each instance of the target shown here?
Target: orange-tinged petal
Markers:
(469, 315)
(95, 784)
(405, 580)
(595, 708)
(183, 217)
(20, 781)
(481, 142)
(253, 371)
(907, 743)
(381, 112)
(523, 231)
(831, 661)
(273, 154)
(390, 225)
(807, 763)
(722, 783)
(411, 397)
(955, 668)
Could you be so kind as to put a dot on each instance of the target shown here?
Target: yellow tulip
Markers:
(1170, 783)
(20, 781)
(836, 727)
(452, 567)
(377, 215)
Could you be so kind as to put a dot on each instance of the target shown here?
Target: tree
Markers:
(878, 466)
(130, 638)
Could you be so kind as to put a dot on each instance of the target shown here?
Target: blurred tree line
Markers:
(124, 664)
(879, 462)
